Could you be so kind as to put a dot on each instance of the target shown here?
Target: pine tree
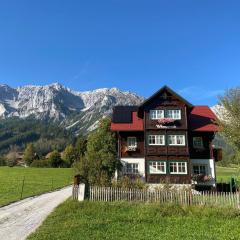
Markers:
(29, 154)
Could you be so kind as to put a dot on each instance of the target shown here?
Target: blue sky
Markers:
(192, 46)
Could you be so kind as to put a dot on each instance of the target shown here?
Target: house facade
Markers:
(167, 140)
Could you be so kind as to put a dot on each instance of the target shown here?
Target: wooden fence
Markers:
(109, 194)
(75, 191)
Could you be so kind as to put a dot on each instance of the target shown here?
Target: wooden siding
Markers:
(124, 153)
(166, 149)
(206, 152)
(169, 178)
(168, 103)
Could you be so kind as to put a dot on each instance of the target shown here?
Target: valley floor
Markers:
(122, 220)
(20, 182)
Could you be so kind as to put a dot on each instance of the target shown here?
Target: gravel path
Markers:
(19, 219)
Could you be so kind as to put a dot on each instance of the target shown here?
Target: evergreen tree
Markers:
(101, 154)
(55, 159)
(29, 154)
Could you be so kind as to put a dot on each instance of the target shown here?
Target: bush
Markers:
(55, 159)
(64, 164)
(130, 182)
(3, 161)
(41, 163)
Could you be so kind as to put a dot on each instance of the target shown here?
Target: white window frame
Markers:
(175, 114)
(156, 114)
(177, 166)
(199, 170)
(129, 143)
(133, 167)
(200, 146)
(157, 139)
(175, 140)
(154, 169)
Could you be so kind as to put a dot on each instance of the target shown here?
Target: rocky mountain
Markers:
(78, 111)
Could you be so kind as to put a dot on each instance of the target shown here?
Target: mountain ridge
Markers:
(55, 102)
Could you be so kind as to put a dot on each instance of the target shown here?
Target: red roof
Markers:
(135, 125)
(202, 119)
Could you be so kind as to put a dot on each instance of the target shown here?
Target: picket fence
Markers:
(109, 194)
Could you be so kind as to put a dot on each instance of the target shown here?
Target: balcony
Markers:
(131, 148)
(202, 179)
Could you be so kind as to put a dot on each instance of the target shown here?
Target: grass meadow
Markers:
(225, 173)
(40, 180)
(36, 181)
(123, 220)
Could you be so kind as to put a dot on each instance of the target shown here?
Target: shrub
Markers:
(130, 182)
(41, 163)
(3, 161)
(64, 164)
(55, 159)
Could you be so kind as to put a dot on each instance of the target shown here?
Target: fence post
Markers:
(52, 184)
(23, 181)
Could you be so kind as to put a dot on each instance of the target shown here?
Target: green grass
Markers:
(94, 220)
(225, 173)
(37, 180)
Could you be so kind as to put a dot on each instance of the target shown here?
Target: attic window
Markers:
(164, 96)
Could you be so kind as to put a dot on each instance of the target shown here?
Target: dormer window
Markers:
(156, 114)
(198, 142)
(174, 114)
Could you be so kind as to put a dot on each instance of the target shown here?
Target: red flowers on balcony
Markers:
(201, 178)
(164, 121)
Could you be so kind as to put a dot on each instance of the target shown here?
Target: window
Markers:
(178, 168)
(157, 167)
(199, 169)
(132, 168)
(156, 140)
(132, 142)
(174, 114)
(176, 140)
(197, 142)
(156, 114)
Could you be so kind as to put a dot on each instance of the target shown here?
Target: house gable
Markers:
(163, 97)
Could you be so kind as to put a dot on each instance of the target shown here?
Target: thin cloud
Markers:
(198, 93)
(83, 70)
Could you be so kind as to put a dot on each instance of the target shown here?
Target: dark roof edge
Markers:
(165, 87)
(130, 107)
